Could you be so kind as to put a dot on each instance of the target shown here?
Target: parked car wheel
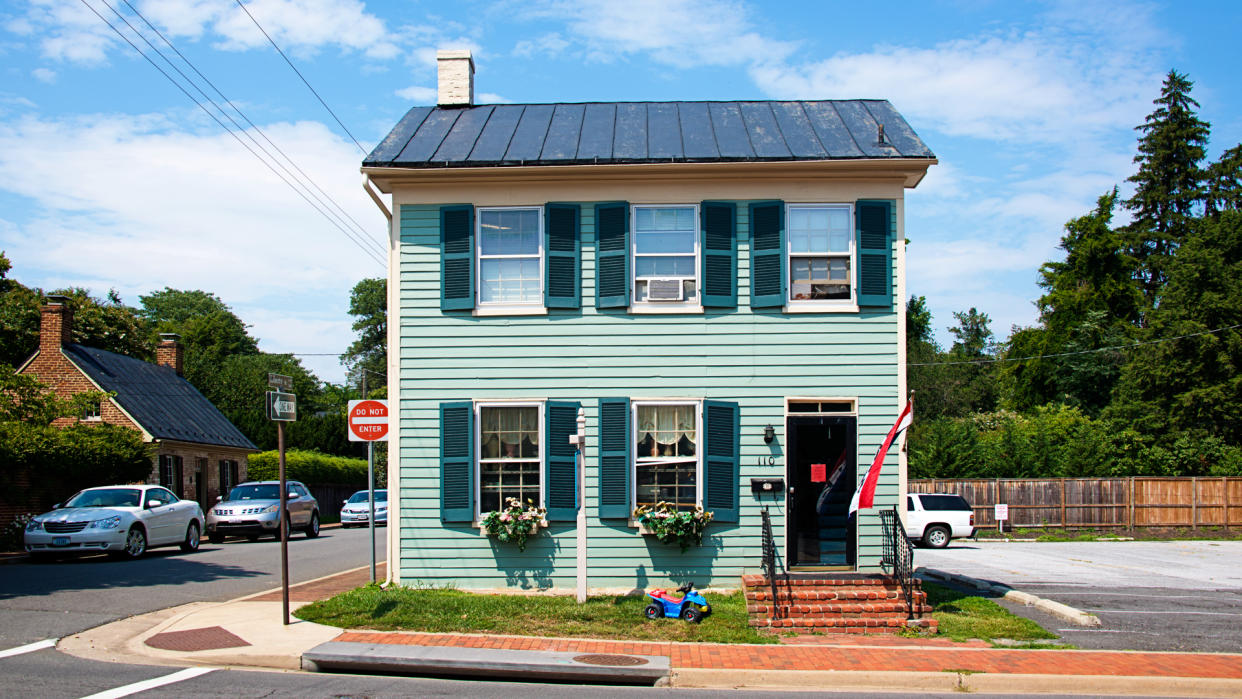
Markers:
(936, 537)
(135, 544)
(215, 538)
(190, 545)
(653, 611)
(692, 615)
(312, 529)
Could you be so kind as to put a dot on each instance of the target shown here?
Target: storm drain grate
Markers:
(209, 638)
(610, 660)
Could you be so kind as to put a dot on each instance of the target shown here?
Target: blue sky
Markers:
(110, 177)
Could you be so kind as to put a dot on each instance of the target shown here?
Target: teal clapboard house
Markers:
(716, 285)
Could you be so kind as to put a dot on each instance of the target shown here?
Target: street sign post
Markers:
(282, 407)
(1001, 512)
(368, 422)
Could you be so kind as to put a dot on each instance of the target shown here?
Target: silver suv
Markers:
(253, 509)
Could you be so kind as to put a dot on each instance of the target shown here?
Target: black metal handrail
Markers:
(770, 560)
(899, 556)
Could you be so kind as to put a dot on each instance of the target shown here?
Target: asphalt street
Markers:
(1149, 595)
(52, 600)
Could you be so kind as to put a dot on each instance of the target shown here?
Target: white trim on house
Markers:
(508, 308)
(683, 306)
(540, 407)
(698, 443)
(851, 255)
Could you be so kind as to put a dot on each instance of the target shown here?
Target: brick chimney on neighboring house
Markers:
(171, 353)
(55, 325)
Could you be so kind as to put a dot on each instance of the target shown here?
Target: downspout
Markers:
(375, 197)
(393, 533)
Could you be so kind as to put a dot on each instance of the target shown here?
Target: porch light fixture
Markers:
(769, 433)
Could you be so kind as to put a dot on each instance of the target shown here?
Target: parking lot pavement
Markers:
(1176, 595)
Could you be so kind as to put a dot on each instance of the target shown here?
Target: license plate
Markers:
(60, 541)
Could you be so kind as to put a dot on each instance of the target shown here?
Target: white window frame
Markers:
(698, 443)
(478, 449)
(666, 306)
(494, 308)
(811, 305)
(92, 412)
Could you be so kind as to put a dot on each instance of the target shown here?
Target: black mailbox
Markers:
(759, 486)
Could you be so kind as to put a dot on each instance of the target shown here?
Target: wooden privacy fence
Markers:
(1099, 502)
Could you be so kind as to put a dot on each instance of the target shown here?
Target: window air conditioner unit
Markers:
(664, 290)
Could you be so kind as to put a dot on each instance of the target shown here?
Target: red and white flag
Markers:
(864, 497)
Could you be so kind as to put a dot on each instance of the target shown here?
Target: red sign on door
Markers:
(819, 473)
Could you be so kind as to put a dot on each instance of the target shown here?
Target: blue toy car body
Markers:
(665, 605)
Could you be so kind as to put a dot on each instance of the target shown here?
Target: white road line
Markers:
(28, 648)
(1148, 611)
(186, 674)
(1126, 594)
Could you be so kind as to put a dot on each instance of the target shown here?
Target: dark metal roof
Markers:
(164, 404)
(645, 132)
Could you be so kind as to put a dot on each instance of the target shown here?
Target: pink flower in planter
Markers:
(505, 517)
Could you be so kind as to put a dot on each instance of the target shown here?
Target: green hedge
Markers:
(63, 461)
(1060, 442)
(310, 467)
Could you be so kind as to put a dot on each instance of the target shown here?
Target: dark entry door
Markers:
(821, 476)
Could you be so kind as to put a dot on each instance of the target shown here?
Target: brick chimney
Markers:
(171, 353)
(455, 78)
(55, 324)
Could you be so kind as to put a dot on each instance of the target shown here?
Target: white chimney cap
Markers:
(455, 73)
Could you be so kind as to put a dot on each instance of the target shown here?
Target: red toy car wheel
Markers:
(653, 611)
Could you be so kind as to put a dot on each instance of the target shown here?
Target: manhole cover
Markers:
(210, 638)
(605, 659)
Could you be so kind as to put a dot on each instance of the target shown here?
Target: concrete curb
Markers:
(1061, 611)
(859, 681)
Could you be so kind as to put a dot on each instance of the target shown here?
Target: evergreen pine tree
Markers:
(1169, 182)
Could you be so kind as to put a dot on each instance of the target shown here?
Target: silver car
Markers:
(252, 510)
(357, 509)
(123, 520)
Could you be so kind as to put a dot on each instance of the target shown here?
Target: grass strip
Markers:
(454, 611)
(962, 617)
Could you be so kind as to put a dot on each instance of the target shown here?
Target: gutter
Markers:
(375, 197)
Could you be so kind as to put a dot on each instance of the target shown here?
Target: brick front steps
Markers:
(841, 603)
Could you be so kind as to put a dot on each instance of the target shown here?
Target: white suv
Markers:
(934, 519)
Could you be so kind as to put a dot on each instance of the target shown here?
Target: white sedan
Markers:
(124, 520)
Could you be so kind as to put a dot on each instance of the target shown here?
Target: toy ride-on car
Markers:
(665, 605)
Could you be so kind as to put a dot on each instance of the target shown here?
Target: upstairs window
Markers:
(90, 413)
(821, 253)
(510, 257)
(666, 254)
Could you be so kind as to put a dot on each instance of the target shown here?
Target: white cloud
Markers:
(71, 32)
(550, 44)
(680, 33)
(44, 75)
(152, 204)
(418, 94)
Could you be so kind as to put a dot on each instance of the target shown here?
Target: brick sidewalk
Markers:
(829, 652)
(919, 658)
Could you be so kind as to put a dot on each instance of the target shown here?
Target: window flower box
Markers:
(670, 525)
(514, 524)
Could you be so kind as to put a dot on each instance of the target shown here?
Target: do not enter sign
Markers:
(368, 421)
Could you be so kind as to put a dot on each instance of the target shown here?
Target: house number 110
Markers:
(766, 461)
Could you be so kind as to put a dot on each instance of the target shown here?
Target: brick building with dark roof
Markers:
(198, 453)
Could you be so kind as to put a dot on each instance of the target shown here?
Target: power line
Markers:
(1071, 354)
(222, 125)
(379, 248)
(304, 82)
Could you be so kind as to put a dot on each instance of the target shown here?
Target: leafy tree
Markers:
(209, 329)
(973, 337)
(1169, 182)
(19, 318)
(1190, 380)
(928, 379)
(368, 304)
(108, 324)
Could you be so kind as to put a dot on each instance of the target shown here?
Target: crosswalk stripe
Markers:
(181, 676)
(28, 648)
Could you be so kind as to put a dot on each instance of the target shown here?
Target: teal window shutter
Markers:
(456, 257)
(612, 255)
(562, 244)
(560, 472)
(721, 459)
(719, 245)
(875, 231)
(767, 254)
(457, 461)
(615, 465)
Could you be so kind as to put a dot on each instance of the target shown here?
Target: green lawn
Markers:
(963, 617)
(612, 617)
